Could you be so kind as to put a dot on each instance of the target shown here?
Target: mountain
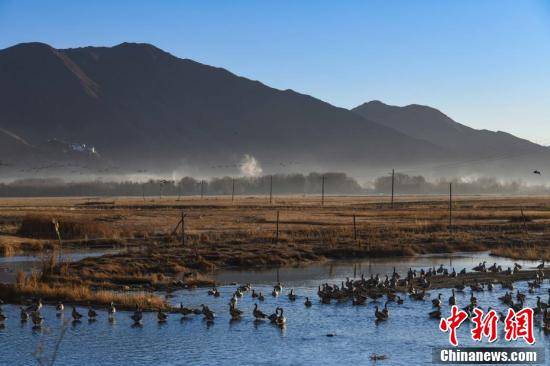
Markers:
(475, 152)
(12, 145)
(135, 108)
(141, 107)
(431, 125)
(57, 157)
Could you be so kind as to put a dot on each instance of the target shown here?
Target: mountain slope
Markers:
(144, 109)
(429, 124)
(12, 146)
(141, 106)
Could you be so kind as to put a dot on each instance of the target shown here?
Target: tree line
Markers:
(408, 184)
(306, 184)
(335, 183)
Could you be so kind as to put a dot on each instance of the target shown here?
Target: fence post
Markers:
(323, 191)
(271, 189)
(392, 185)
(182, 229)
(450, 207)
(524, 220)
(277, 229)
(354, 229)
(58, 232)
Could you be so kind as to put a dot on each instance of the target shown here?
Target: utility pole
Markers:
(354, 229)
(277, 229)
(450, 207)
(202, 188)
(392, 185)
(524, 220)
(271, 189)
(183, 229)
(323, 191)
(232, 189)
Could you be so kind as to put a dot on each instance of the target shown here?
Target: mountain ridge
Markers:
(144, 108)
(434, 126)
(140, 105)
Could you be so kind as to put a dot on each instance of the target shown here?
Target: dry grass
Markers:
(42, 227)
(224, 234)
(12, 245)
(534, 253)
(31, 287)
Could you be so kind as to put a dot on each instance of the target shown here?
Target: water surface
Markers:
(406, 338)
(9, 266)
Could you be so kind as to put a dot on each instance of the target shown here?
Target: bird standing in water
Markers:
(281, 320)
(161, 316)
(137, 315)
(24, 315)
(37, 319)
(234, 312)
(112, 312)
(92, 314)
(59, 309)
(76, 315)
(258, 314)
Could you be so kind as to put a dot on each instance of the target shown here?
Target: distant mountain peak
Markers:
(140, 47)
(31, 45)
(432, 125)
(137, 45)
(379, 104)
(375, 102)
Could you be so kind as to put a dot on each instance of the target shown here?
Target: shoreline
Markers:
(251, 234)
(21, 294)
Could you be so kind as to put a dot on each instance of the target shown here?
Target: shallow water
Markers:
(406, 338)
(336, 271)
(9, 266)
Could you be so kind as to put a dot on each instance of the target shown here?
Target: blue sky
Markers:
(486, 63)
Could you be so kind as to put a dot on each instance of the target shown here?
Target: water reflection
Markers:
(337, 271)
(9, 266)
(321, 334)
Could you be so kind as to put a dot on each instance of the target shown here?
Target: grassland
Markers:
(221, 233)
(80, 295)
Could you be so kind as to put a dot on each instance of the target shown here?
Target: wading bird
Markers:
(161, 316)
(76, 315)
(258, 314)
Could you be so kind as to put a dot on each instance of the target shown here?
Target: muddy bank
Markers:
(170, 265)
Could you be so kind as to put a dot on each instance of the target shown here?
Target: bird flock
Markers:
(416, 285)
